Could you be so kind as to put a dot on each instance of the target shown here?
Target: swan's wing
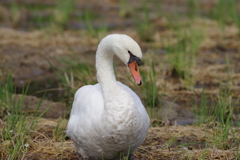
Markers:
(138, 102)
(86, 111)
(145, 120)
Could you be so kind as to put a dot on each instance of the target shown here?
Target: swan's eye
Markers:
(136, 68)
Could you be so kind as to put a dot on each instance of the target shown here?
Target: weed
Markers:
(62, 12)
(59, 133)
(123, 6)
(99, 31)
(182, 56)
(143, 24)
(150, 87)
(88, 17)
(192, 9)
(221, 113)
(6, 92)
(15, 13)
(223, 16)
(230, 78)
(73, 76)
(15, 134)
(170, 142)
(203, 111)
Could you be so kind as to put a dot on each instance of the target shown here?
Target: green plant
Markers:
(99, 32)
(229, 70)
(88, 17)
(59, 133)
(182, 56)
(192, 9)
(223, 16)
(123, 6)
(72, 75)
(221, 115)
(15, 13)
(15, 134)
(6, 92)
(204, 110)
(150, 87)
(143, 23)
(62, 12)
(40, 21)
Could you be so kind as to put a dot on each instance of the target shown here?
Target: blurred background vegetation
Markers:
(190, 64)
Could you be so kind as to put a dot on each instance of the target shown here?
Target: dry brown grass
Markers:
(165, 142)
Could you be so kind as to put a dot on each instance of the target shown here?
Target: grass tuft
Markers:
(15, 132)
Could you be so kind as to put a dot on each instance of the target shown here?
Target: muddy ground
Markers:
(27, 49)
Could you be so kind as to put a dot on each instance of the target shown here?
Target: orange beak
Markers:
(134, 68)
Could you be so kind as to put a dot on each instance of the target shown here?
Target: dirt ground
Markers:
(26, 51)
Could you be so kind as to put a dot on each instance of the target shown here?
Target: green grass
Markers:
(123, 10)
(100, 31)
(226, 17)
(15, 13)
(62, 12)
(219, 117)
(72, 75)
(149, 87)
(143, 23)
(6, 95)
(204, 110)
(150, 96)
(15, 133)
(88, 17)
(182, 56)
(192, 9)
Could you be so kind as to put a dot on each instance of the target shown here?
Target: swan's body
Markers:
(108, 118)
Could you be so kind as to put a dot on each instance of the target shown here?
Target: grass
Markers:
(123, 10)
(151, 97)
(203, 110)
(74, 75)
(62, 12)
(93, 31)
(225, 17)
(150, 89)
(15, 133)
(192, 9)
(15, 14)
(182, 56)
(220, 115)
(143, 23)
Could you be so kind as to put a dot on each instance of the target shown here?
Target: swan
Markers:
(108, 119)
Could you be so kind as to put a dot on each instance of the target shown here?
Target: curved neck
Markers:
(118, 102)
(104, 66)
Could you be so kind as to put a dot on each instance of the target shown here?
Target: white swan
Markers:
(108, 118)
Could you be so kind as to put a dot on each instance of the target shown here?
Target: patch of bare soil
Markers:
(28, 54)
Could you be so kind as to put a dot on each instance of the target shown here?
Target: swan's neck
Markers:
(105, 71)
(119, 105)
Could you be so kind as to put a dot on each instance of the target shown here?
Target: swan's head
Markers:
(129, 52)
